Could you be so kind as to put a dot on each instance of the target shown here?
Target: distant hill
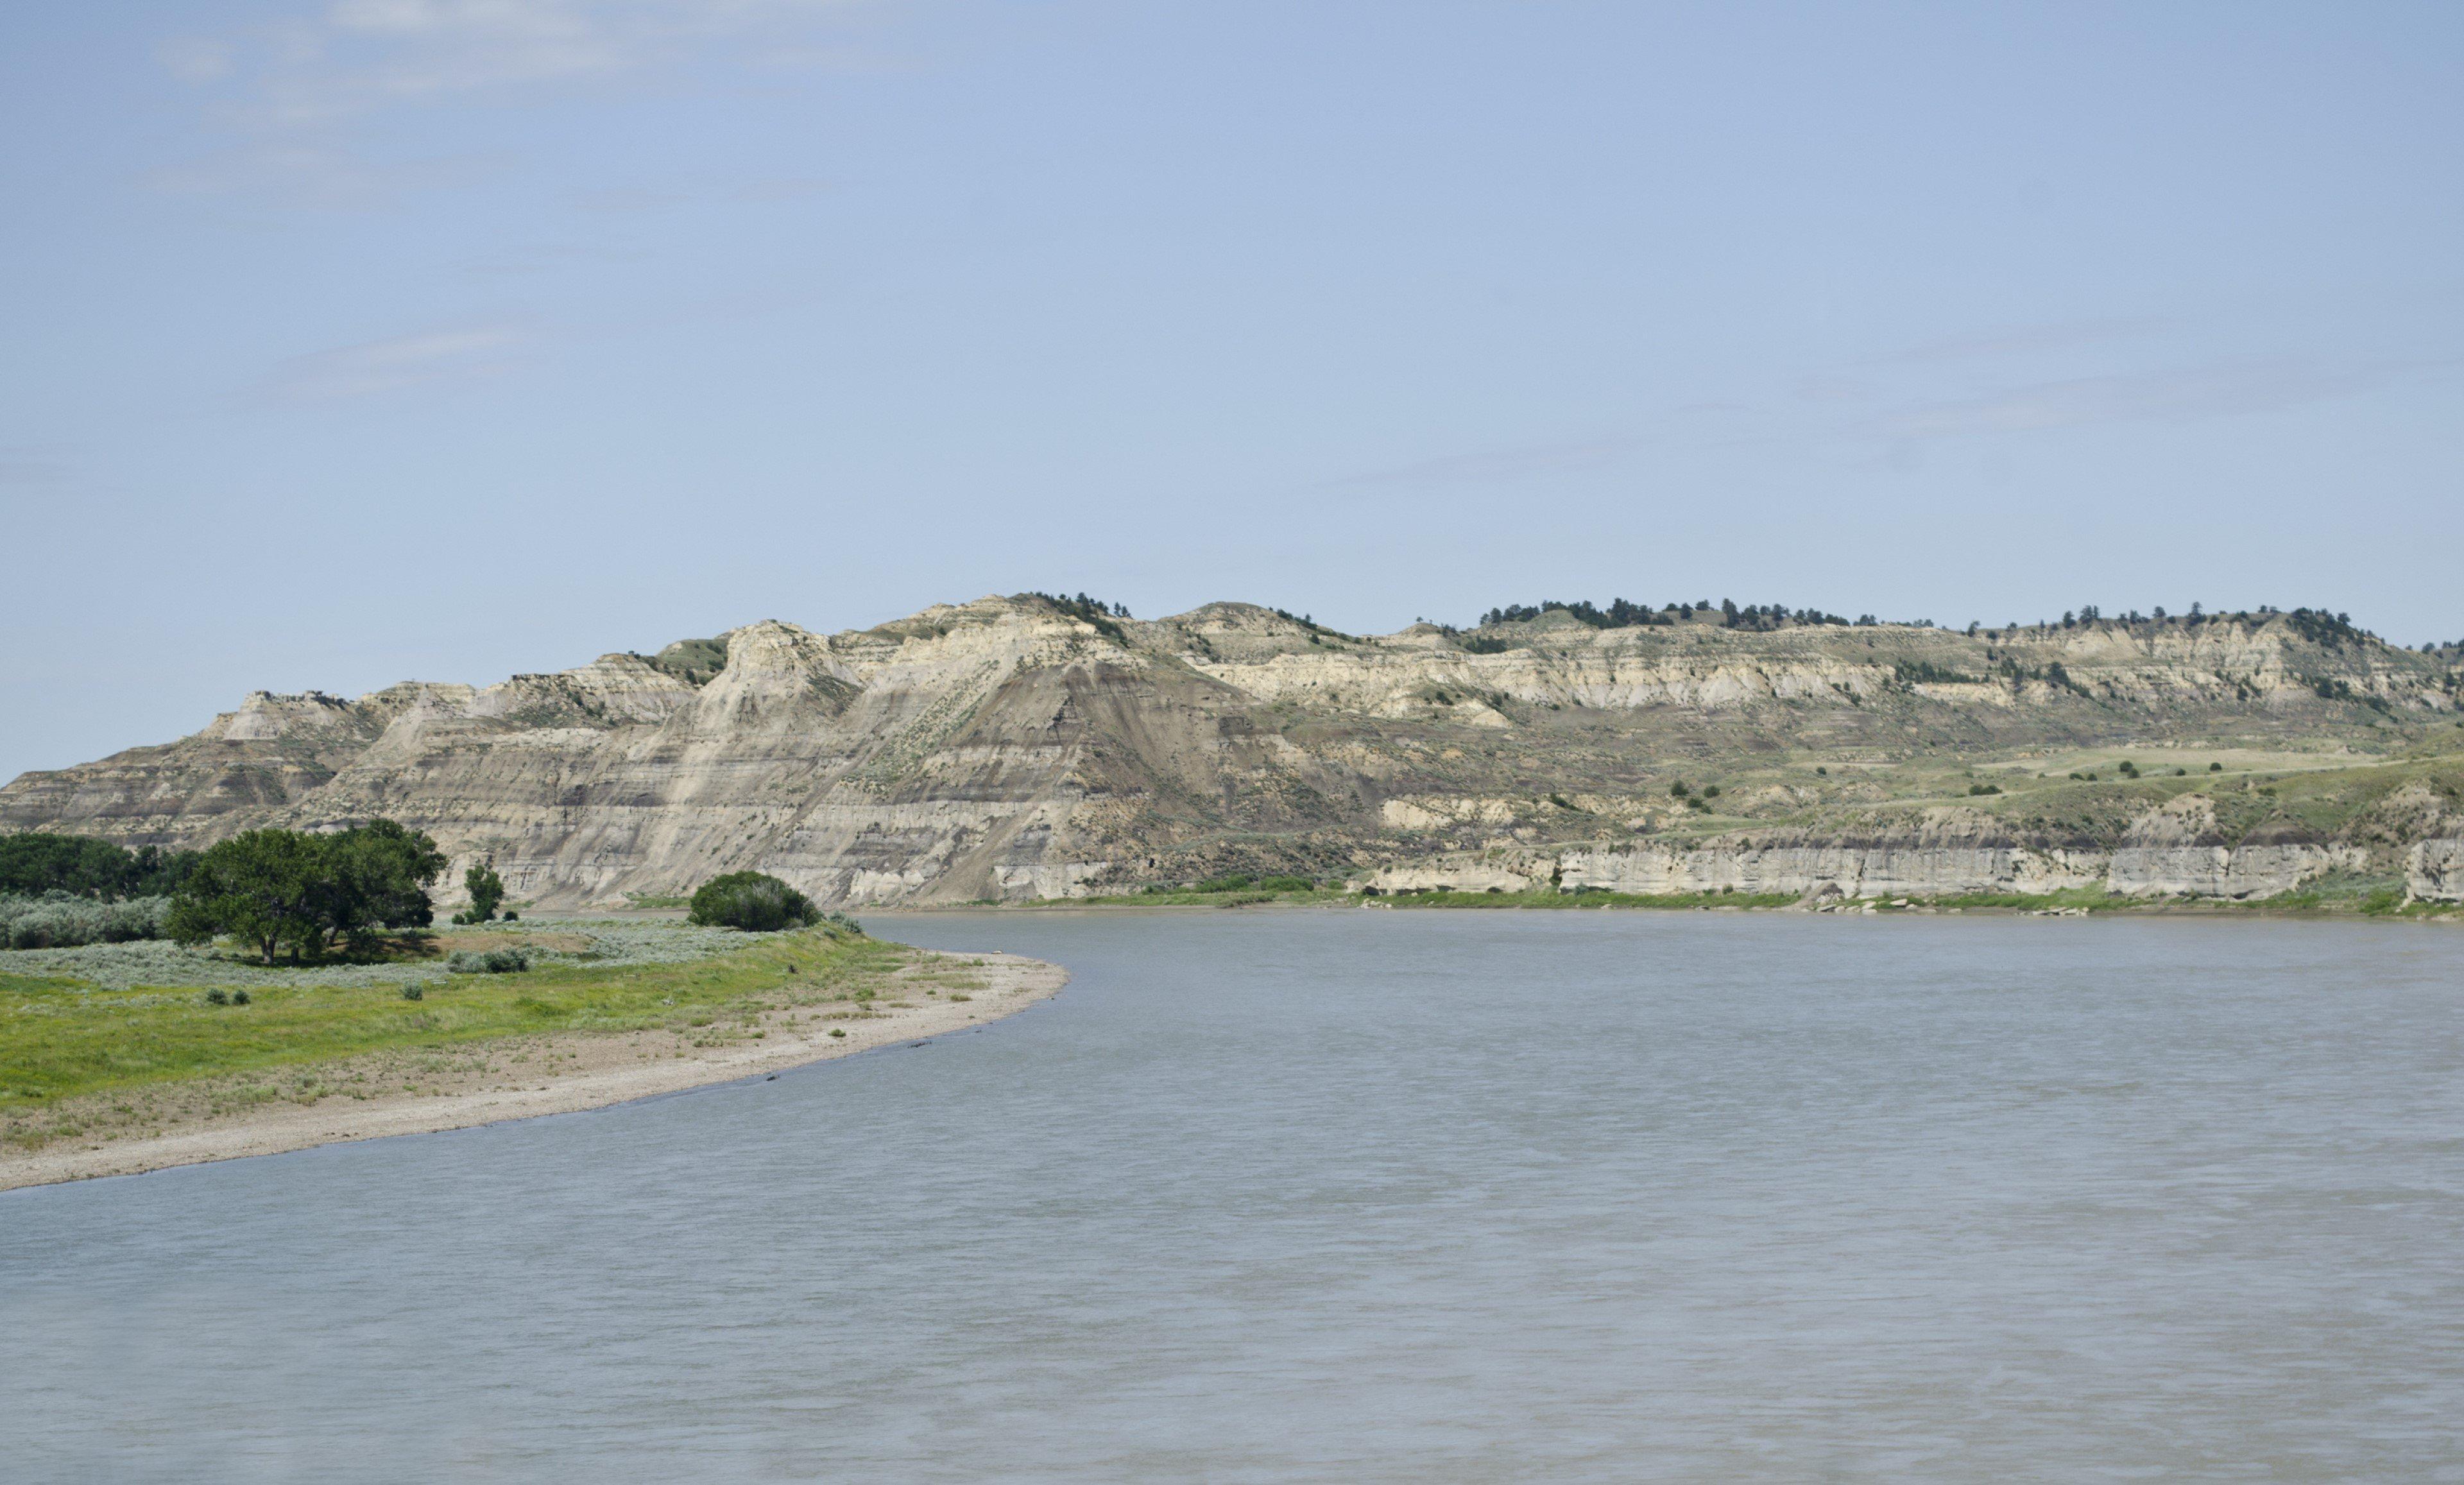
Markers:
(1039, 746)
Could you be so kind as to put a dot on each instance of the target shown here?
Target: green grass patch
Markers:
(2096, 899)
(1220, 893)
(59, 1038)
(1574, 899)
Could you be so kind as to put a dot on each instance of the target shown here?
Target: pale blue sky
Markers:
(357, 342)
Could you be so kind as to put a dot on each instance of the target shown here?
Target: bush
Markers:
(218, 996)
(1286, 884)
(1985, 788)
(490, 962)
(1236, 882)
(65, 920)
(414, 992)
(750, 900)
(239, 997)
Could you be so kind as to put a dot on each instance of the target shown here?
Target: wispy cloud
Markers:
(295, 96)
(195, 58)
(356, 57)
(2222, 390)
(32, 466)
(374, 367)
(1499, 466)
(2027, 339)
(309, 173)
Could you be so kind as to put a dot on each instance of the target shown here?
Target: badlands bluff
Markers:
(1020, 748)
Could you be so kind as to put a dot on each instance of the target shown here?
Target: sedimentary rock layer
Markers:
(1014, 747)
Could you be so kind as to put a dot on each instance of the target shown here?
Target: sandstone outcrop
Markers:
(1016, 747)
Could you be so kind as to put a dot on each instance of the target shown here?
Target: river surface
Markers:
(1427, 1196)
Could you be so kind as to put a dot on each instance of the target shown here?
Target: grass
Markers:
(2336, 895)
(2339, 895)
(61, 1038)
(1587, 898)
(1335, 896)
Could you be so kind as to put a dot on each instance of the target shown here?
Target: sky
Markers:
(350, 341)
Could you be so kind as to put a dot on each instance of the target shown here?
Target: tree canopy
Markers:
(486, 890)
(37, 862)
(276, 889)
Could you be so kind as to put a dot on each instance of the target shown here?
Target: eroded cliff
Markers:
(1014, 748)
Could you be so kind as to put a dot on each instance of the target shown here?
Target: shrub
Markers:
(58, 920)
(1286, 884)
(2215, 767)
(750, 900)
(506, 961)
(218, 996)
(1232, 883)
(239, 997)
(1985, 788)
(414, 992)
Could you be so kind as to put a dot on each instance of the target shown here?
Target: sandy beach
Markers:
(558, 1074)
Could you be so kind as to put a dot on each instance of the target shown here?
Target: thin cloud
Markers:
(31, 466)
(377, 367)
(359, 56)
(309, 173)
(2032, 338)
(297, 96)
(2223, 390)
(1496, 466)
(195, 58)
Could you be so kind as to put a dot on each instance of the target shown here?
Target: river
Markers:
(1426, 1196)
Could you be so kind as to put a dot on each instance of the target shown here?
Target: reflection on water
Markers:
(1366, 1196)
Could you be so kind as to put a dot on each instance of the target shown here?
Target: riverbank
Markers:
(2372, 903)
(713, 1021)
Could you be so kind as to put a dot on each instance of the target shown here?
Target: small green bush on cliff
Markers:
(754, 901)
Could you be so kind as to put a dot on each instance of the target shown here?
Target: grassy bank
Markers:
(2334, 897)
(1682, 901)
(63, 1038)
